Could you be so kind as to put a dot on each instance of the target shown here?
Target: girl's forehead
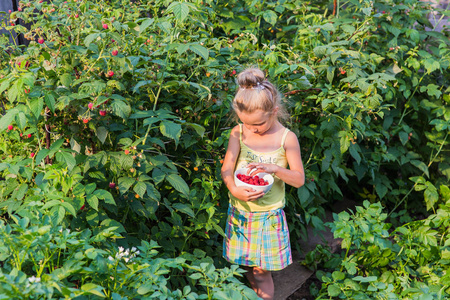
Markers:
(254, 116)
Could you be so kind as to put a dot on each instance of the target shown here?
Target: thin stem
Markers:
(410, 97)
(415, 184)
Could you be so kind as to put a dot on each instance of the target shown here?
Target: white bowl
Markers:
(266, 176)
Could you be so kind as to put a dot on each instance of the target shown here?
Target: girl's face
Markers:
(259, 121)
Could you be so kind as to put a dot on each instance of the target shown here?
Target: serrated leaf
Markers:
(171, 130)
(421, 166)
(68, 159)
(431, 195)
(88, 40)
(184, 208)
(144, 25)
(101, 133)
(8, 118)
(36, 107)
(105, 195)
(180, 10)
(125, 183)
(303, 195)
(198, 128)
(178, 183)
(152, 192)
(41, 155)
(92, 200)
(199, 50)
(270, 17)
(69, 207)
(21, 120)
(219, 229)
(120, 109)
(140, 188)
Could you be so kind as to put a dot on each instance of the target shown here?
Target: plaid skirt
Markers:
(257, 239)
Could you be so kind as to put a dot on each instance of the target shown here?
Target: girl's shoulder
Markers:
(291, 139)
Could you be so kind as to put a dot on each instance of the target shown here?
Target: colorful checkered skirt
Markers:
(257, 239)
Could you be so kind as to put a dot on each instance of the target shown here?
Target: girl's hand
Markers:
(255, 168)
(246, 194)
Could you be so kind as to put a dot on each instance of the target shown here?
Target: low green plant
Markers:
(409, 262)
(41, 260)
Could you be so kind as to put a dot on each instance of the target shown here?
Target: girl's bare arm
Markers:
(295, 175)
(227, 171)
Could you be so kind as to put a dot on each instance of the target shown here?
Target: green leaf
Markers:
(270, 17)
(381, 190)
(36, 107)
(69, 207)
(354, 153)
(330, 73)
(180, 10)
(140, 188)
(41, 155)
(171, 130)
(101, 133)
(178, 183)
(120, 109)
(333, 290)
(66, 80)
(445, 192)
(304, 195)
(68, 159)
(344, 143)
(125, 183)
(421, 166)
(93, 289)
(199, 50)
(7, 119)
(184, 208)
(50, 101)
(219, 229)
(88, 40)
(433, 90)
(404, 136)
(431, 195)
(105, 195)
(152, 192)
(93, 201)
(144, 25)
(365, 279)
(431, 65)
(141, 83)
(440, 124)
(21, 120)
(198, 128)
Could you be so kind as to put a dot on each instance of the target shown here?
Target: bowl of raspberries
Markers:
(259, 182)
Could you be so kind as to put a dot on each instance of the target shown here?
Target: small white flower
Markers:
(120, 249)
(34, 279)
(133, 249)
(110, 258)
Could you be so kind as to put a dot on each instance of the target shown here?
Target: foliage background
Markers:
(134, 155)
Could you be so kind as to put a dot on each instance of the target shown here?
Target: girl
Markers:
(257, 236)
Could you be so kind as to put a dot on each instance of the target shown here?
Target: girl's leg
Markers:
(261, 281)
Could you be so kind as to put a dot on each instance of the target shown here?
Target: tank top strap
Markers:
(240, 132)
(283, 139)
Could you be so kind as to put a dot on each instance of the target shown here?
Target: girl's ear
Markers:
(275, 110)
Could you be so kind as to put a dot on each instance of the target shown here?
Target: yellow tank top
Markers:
(275, 198)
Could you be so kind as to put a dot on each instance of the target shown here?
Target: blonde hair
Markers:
(256, 92)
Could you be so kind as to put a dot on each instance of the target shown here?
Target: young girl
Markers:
(257, 236)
